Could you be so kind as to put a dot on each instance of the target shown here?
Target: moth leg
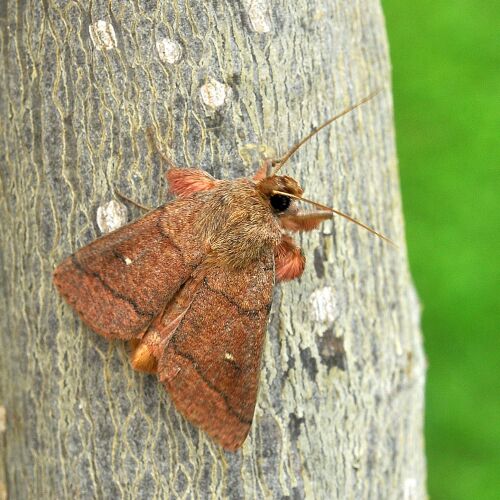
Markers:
(304, 222)
(289, 260)
(129, 200)
(155, 146)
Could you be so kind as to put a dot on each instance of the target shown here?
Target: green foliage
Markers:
(446, 78)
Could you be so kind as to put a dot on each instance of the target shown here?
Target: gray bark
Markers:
(340, 410)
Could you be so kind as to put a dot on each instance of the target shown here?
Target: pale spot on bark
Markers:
(214, 93)
(3, 419)
(252, 153)
(229, 356)
(319, 15)
(414, 306)
(169, 50)
(410, 489)
(111, 216)
(103, 35)
(258, 14)
(128, 261)
(324, 305)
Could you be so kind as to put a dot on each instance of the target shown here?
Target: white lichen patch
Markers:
(215, 93)
(3, 419)
(255, 153)
(410, 489)
(324, 305)
(258, 14)
(169, 50)
(103, 35)
(111, 216)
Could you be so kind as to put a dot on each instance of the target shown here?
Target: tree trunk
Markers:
(220, 84)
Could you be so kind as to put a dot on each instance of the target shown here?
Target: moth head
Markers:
(282, 190)
(275, 189)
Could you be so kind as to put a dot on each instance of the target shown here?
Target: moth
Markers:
(190, 284)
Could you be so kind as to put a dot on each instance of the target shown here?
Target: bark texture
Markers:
(221, 83)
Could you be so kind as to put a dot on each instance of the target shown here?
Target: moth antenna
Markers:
(155, 146)
(338, 212)
(279, 163)
(130, 200)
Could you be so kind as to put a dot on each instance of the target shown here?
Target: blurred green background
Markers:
(446, 65)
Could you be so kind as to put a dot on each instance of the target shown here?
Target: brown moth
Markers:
(190, 285)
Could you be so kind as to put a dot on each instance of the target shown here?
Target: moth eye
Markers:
(280, 202)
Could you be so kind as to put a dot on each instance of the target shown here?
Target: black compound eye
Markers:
(280, 202)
